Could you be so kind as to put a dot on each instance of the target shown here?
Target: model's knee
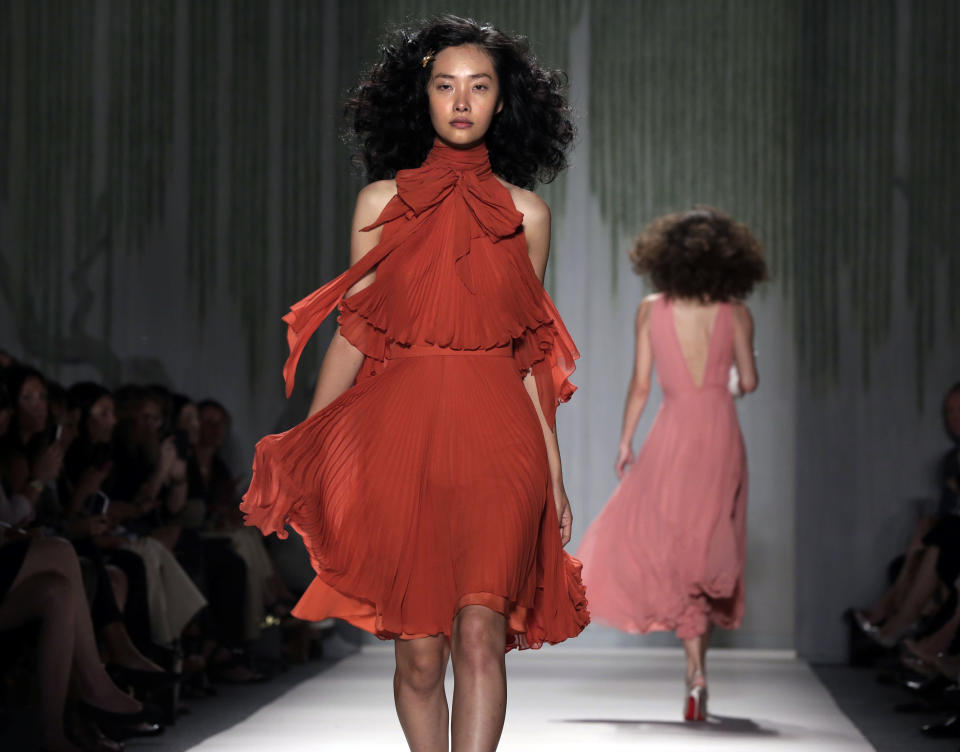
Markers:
(420, 671)
(479, 638)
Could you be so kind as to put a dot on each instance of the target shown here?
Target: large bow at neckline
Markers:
(442, 184)
(427, 187)
(476, 197)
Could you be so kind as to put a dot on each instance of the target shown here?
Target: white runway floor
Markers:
(588, 700)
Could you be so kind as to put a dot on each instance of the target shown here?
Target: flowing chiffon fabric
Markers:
(425, 487)
(667, 551)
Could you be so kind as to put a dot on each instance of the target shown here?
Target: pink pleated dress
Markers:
(667, 552)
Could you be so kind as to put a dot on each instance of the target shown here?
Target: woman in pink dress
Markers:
(667, 551)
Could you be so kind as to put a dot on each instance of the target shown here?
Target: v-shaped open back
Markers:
(675, 369)
(687, 359)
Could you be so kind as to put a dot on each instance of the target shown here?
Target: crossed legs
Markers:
(48, 589)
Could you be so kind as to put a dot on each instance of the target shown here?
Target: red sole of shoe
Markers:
(693, 711)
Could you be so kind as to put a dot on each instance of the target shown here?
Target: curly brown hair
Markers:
(701, 253)
(389, 116)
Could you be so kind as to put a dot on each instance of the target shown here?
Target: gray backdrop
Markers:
(171, 179)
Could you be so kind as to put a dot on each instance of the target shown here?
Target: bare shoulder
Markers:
(646, 305)
(372, 199)
(741, 312)
(535, 211)
(644, 310)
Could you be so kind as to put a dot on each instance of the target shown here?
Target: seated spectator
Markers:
(40, 581)
(932, 562)
(211, 479)
(143, 471)
(30, 451)
(87, 466)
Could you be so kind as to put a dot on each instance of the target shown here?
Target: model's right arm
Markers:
(639, 389)
(342, 361)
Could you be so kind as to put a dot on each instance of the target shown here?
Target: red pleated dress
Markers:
(425, 487)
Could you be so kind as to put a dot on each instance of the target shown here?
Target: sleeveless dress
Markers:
(425, 487)
(667, 551)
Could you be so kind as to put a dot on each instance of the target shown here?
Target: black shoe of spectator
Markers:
(149, 713)
(143, 680)
(948, 729)
(862, 650)
(141, 729)
(933, 686)
(234, 672)
(926, 707)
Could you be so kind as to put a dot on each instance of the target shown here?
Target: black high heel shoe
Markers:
(148, 713)
(143, 680)
(948, 729)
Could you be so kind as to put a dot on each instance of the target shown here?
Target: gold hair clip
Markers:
(428, 58)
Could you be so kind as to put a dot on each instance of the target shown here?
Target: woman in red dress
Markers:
(426, 481)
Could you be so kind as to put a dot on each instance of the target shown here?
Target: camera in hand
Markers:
(96, 504)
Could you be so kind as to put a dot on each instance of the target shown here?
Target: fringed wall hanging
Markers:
(844, 247)
(248, 253)
(781, 112)
(203, 54)
(693, 102)
(933, 198)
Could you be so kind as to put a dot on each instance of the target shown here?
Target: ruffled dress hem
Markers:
(323, 600)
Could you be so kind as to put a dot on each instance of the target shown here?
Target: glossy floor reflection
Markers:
(589, 700)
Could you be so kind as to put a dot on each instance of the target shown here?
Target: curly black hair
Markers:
(388, 111)
(701, 254)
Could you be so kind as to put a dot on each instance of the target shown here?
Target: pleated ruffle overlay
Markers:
(425, 487)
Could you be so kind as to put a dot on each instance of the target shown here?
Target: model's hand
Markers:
(564, 515)
(624, 458)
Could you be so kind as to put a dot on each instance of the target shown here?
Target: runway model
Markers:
(426, 481)
(667, 551)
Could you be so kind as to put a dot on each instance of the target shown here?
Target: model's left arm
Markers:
(536, 226)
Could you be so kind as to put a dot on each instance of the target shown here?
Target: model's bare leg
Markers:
(418, 692)
(704, 644)
(480, 679)
(695, 648)
(924, 586)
